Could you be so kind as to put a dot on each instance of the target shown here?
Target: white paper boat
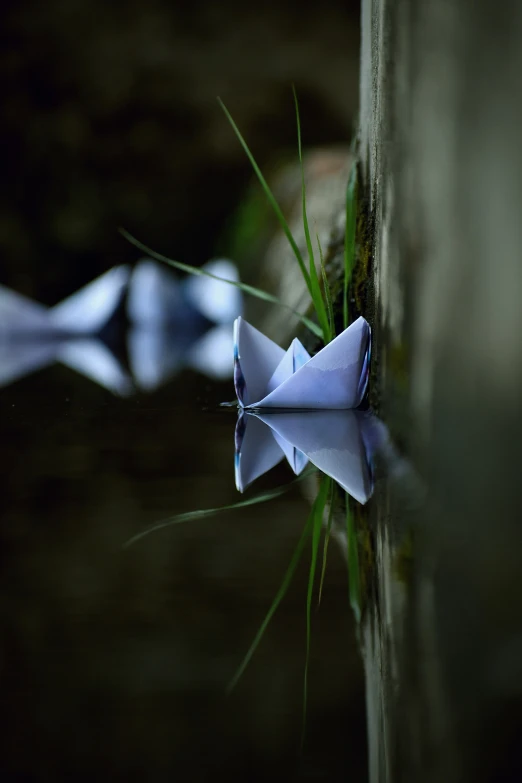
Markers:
(20, 315)
(85, 312)
(88, 310)
(155, 354)
(211, 355)
(219, 302)
(265, 376)
(157, 296)
(171, 320)
(33, 336)
(334, 441)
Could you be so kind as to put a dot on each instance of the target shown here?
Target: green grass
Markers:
(285, 584)
(247, 289)
(315, 288)
(327, 292)
(323, 305)
(271, 198)
(202, 513)
(321, 299)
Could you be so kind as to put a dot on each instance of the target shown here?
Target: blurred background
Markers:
(114, 662)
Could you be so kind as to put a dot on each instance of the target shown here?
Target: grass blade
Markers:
(209, 512)
(315, 288)
(247, 289)
(271, 198)
(353, 564)
(326, 542)
(316, 520)
(327, 292)
(349, 237)
(275, 603)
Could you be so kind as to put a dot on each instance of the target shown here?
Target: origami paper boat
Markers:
(265, 376)
(341, 443)
(157, 296)
(171, 322)
(33, 336)
(85, 312)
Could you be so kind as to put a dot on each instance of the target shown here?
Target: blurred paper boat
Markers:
(341, 443)
(85, 312)
(157, 296)
(33, 336)
(171, 320)
(265, 376)
(89, 310)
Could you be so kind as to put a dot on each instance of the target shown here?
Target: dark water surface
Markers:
(115, 661)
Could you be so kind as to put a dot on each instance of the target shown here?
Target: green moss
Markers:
(402, 566)
(364, 253)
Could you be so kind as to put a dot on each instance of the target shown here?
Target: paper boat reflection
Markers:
(341, 443)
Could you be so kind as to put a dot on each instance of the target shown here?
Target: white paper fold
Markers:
(267, 377)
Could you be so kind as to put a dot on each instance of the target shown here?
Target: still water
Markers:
(115, 660)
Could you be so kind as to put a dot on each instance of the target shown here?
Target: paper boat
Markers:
(85, 312)
(340, 443)
(33, 336)
(171, 320)
(157, 296)
(265, 376)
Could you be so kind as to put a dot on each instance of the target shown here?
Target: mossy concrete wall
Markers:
(441, 129)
